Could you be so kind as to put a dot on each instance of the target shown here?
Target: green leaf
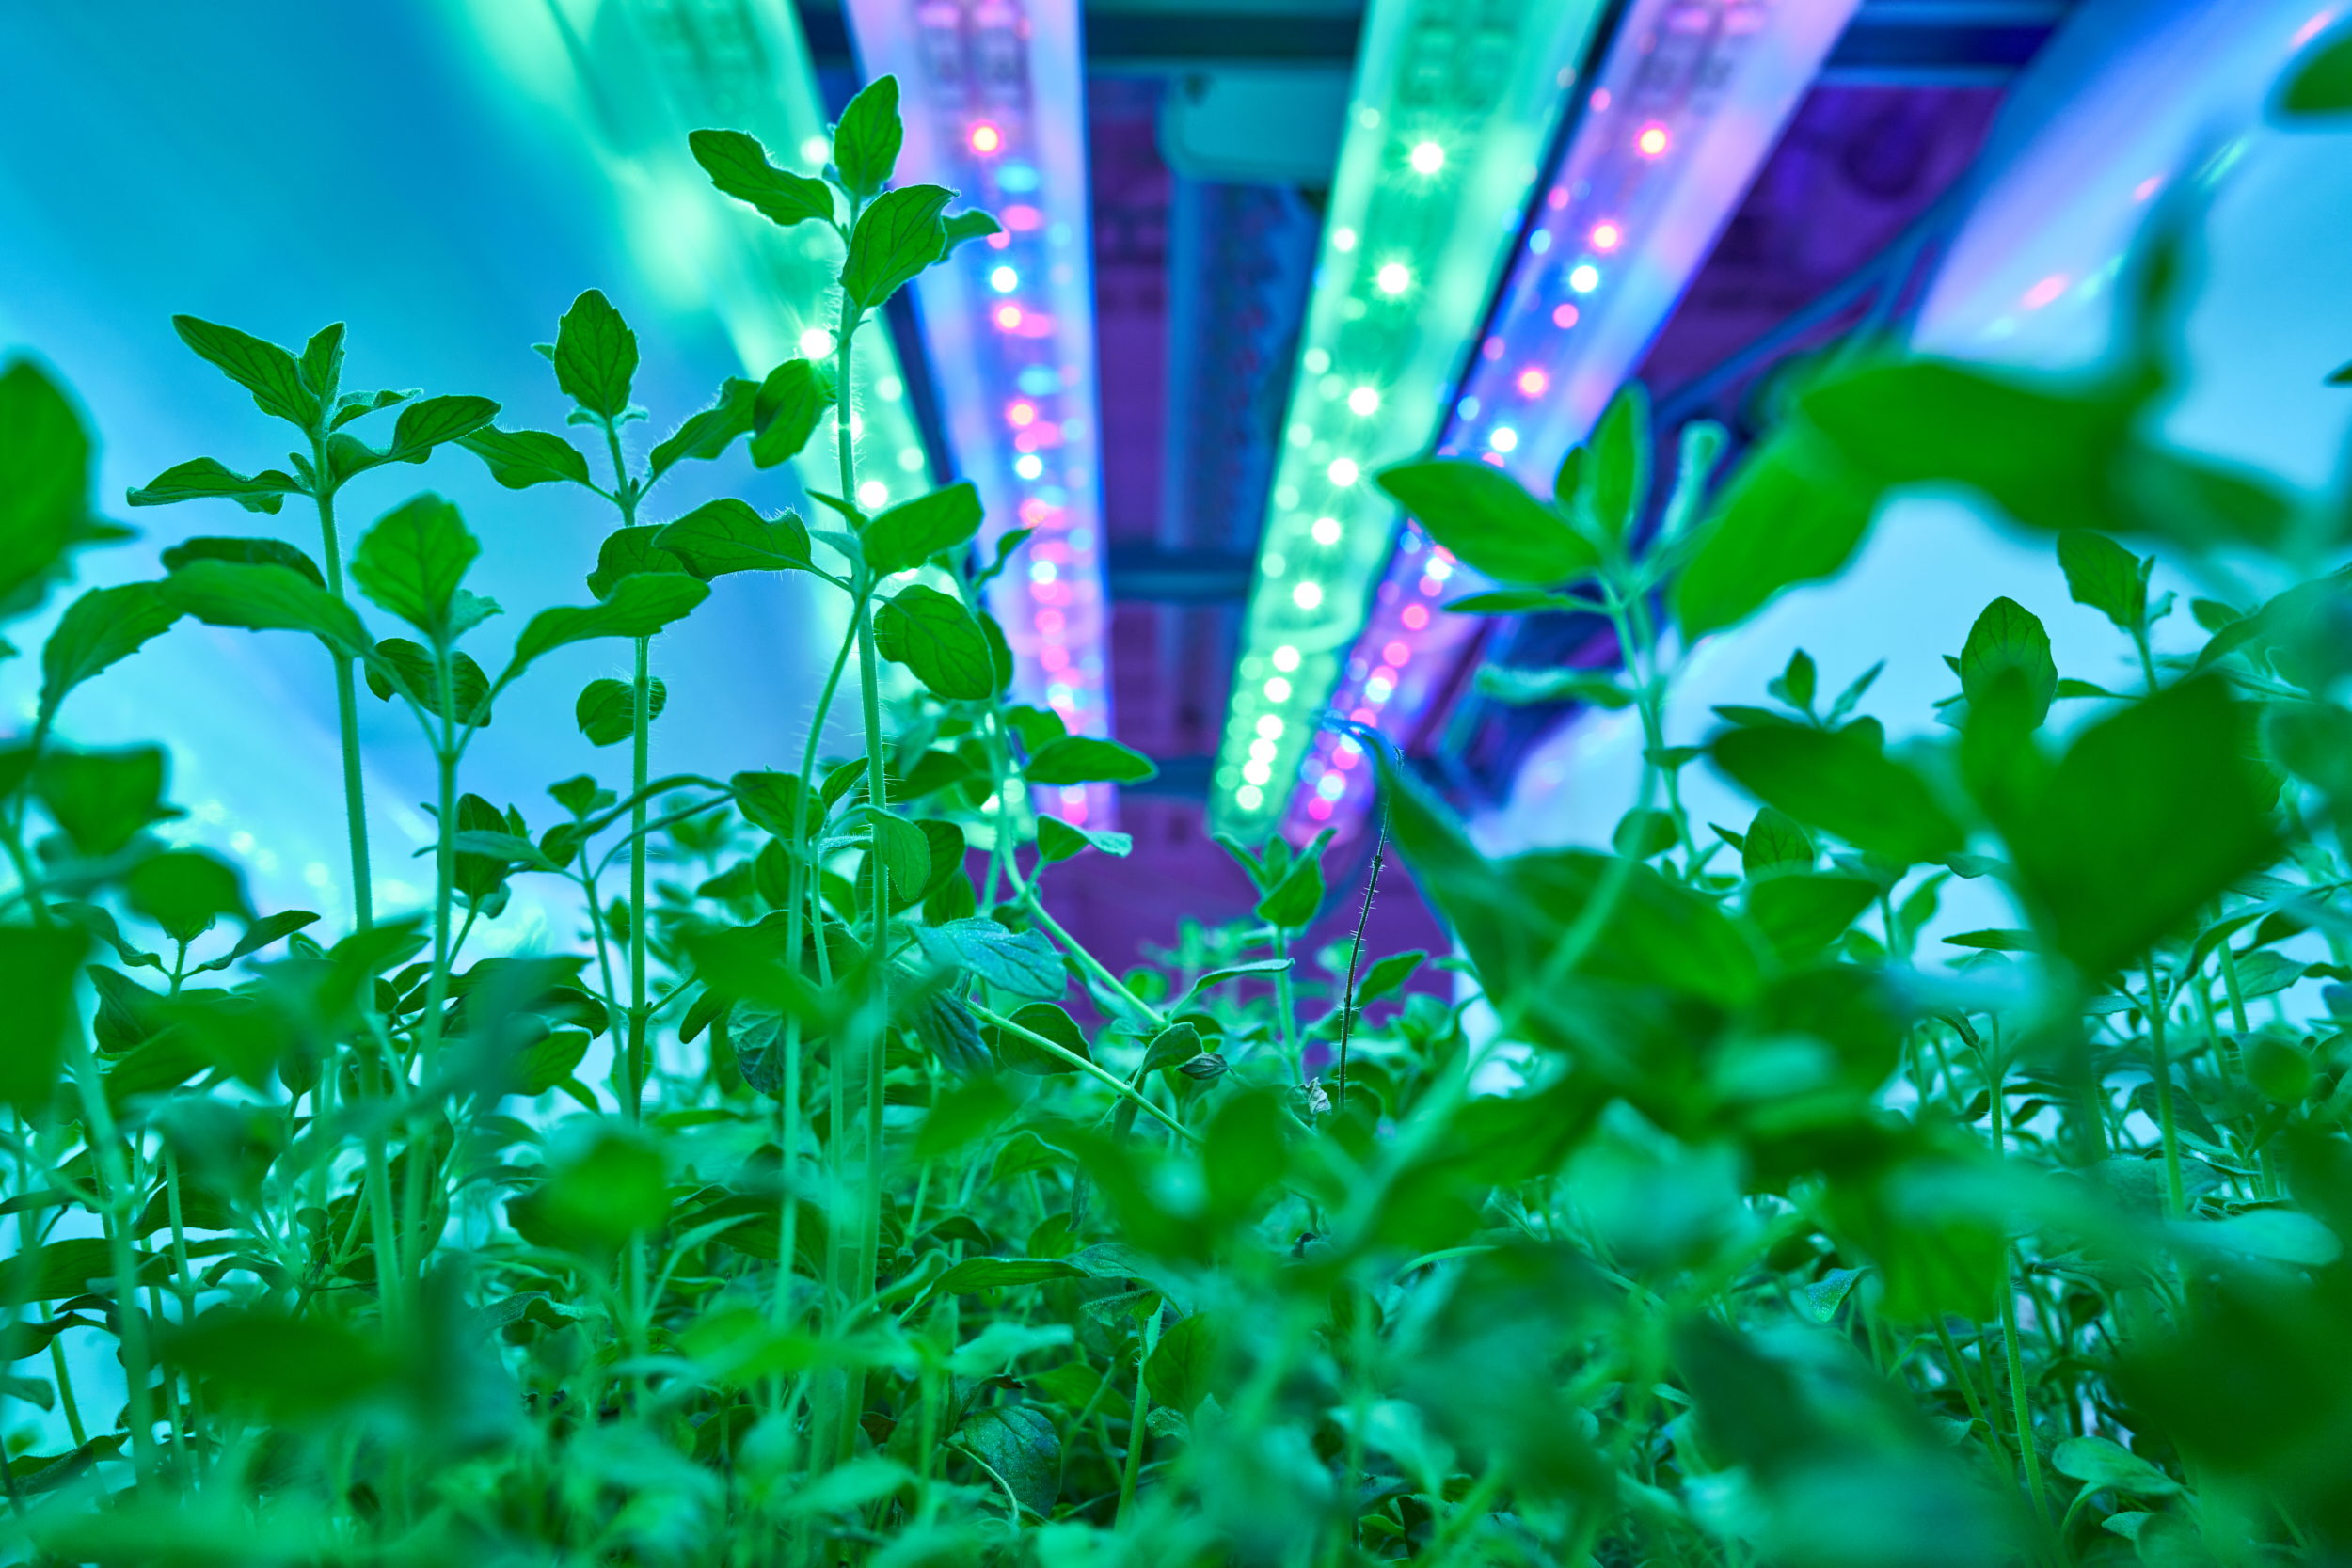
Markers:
(291, 1368)
(895, 239)
(204, 479)
(2103, 1463)
(355, 405)
(61, 1270)
(971, 225)
(641, 605)
(627, 552)
(102, 627)
(44, 477)
(738, 167)
(2007, 637)
(1791, 513)
(262, 933)
(906, 855)
(39, 966)
(251, 552)
(1059, 841)
(1803, 913)
(1388, 974)
(263, 599)
(412, 562)
(436, 421)
(2042, 456)
(1295, 899)
(98, 799)
(321, 366)
(2321, 81)
(1517, 601)
(1084, 759)
(1484, 518)
(865, 142)
(1521, 686)
(522, 458)
(1256, 968)
(185, 891)
(1641, 834)
(1825, 1295)
(2152, 812)
(1178, 1372)
(727, 536)
(608, 1192)
(1616, 478)
(1843, 782)
(596, 355)
(1773, 844)
(1039, 1018)
(411, 664)
(932, 634)
(708, 434)
(1019, 1445)
(2103, 574)
(791, 402)
(606, 710)
(1023, 963)
(910, 533)
(263, 369)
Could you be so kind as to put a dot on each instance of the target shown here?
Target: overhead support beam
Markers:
(1452, 108)
(992, 96)
(1150, 575)
(1669, 133)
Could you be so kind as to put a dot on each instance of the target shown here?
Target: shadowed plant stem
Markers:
(875, 1025)
(2173, 1197)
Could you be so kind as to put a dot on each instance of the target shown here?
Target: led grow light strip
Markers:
(993, 99)
(638, 75)
(1452, 107)
(1680, 116)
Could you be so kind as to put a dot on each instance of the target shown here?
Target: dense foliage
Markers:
(1734, 1222)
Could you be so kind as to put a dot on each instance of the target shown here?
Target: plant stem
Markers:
(2174, 1206)
(638, 757)
(1138, 1420)
(105, 1142)
(876, 1028)
(1109, 1079)
(346, 707)
(1091, 964)
(2019, 1401)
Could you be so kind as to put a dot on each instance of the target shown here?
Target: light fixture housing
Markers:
(1412, 248)
(1706, 84)
(1013, 67)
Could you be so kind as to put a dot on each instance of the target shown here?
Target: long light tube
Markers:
(1452, 106)
(1673, 128)
(637, 75)
(993, 99)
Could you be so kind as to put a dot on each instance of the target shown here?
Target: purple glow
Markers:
(992, 97)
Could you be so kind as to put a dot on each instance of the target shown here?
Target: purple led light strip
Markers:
(994, 105)
(1691, 99)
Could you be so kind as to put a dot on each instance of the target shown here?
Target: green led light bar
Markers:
(1453, 105)
(636, 76)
